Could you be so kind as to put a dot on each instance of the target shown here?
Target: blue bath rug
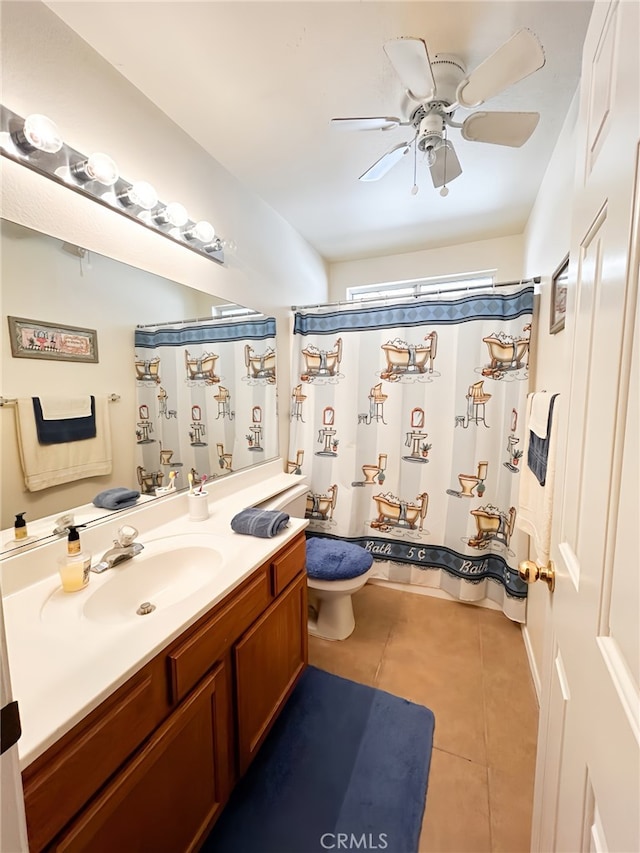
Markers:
(344, 767)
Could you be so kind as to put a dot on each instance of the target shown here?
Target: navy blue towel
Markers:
(116, 498)
(259, 522)
(538, 455)
(65, 429)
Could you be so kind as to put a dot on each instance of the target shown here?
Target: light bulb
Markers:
(140, 194)
(38, 133)
(202, 231)
(173, 214)
(444, 192)
(431, 157)
(98, 167)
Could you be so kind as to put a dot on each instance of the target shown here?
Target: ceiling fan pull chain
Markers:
(414, 188)
(444, 192)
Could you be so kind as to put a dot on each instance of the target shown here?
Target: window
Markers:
(422, 287)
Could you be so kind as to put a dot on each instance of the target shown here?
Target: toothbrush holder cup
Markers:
(198, 506)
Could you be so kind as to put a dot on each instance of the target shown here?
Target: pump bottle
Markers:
(20, 526)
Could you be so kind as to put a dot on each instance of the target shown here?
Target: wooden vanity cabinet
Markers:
(170, 793)
(151, 768)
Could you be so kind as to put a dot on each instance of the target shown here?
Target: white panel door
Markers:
(588, 770)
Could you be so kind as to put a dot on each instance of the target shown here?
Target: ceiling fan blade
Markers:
(410, 60)
(386, 162)
(446, 167)
(366, 123)
(518, 57)
(511, 129)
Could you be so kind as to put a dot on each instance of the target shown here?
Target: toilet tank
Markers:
(293, 501)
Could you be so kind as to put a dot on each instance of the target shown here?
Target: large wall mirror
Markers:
(190, 397)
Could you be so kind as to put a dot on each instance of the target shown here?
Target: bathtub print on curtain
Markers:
(206, 396)
(409, 421)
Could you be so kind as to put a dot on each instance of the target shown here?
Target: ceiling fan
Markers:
(435, 90)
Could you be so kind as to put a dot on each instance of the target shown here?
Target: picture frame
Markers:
(53, 341)
(559, 297)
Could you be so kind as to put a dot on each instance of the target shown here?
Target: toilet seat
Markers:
(332, 608)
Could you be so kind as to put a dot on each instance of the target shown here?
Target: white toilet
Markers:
(330, 607)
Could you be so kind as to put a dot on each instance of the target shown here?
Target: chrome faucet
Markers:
(124, 548)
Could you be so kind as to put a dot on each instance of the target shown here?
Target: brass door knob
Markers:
(532, 572)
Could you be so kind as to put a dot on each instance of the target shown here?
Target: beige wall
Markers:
(504, 255)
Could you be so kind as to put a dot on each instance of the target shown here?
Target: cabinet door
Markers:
(167, 797)
(269, 659)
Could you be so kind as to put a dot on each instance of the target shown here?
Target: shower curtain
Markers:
(206, 397)
(408, 420)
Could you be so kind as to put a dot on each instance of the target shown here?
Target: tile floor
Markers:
(468, 665)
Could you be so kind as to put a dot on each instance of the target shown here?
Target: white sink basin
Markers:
(164, 574)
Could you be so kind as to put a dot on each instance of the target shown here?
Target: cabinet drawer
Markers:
(288, 564)
(195, 656)
(59, 783)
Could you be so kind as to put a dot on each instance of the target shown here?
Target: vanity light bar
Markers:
(35, 142)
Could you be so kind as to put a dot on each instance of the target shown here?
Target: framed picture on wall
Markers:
(37, 339)
(559, 297)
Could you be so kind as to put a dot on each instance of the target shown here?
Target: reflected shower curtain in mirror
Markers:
(206, 397)
(408, 420)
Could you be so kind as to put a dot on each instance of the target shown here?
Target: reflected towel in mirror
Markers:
(46, 465)
(117, 498)
(65, 428)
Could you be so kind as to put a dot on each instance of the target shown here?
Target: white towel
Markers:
(63, 408)
(51, 464)
(535, 511)
(540, 413)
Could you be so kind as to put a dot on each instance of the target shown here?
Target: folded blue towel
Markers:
(116, 498)
(259, 522)
(64, 430)
(538, 455)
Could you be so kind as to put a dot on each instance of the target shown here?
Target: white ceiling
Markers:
(256, 83)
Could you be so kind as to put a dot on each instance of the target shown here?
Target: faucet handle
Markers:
(126, 535)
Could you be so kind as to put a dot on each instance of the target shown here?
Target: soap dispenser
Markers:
(73, 540)
(20, 526)
(74, 567)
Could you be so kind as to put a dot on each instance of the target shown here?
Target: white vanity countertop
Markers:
(64, 665)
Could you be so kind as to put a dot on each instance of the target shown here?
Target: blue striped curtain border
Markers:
(206, 333)
(485, 306)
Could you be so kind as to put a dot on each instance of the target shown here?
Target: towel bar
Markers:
(11, 401)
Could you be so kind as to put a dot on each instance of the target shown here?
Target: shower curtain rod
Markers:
(209, 319)
(436, 292)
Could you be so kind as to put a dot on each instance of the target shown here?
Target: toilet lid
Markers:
(334, 559)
